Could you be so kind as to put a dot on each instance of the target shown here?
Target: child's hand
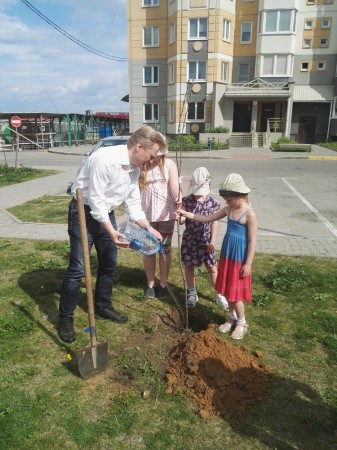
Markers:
(210, 247)
(245, 270)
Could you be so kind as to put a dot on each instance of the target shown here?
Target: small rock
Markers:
(204, 414)
(146, 394)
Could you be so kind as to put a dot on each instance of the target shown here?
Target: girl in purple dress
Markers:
(198, 239)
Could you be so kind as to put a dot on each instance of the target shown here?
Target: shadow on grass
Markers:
(290, 415)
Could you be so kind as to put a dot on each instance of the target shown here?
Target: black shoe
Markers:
(162, 292)
(66, 329)
(111, 314)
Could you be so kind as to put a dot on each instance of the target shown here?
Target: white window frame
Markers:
(303, 69)
(311, 2)
(197, 63)
(194, 105)
(250, 32)
(224, 71)
(172, 33)
(322, 45)
(150, 3)
(154, 112)
(306, 24)
(154, 69)
(154, 36)
(199, 19)
(309, 43)
(289, 64)
(227, 29)
(328, 24)
(277, 30)
(323, 68)
(171, 73)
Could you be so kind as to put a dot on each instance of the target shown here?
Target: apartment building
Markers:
(262, 68)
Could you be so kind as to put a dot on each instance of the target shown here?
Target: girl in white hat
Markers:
(198, 240)
(237, 251)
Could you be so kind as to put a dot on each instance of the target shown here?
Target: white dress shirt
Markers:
(107, 180)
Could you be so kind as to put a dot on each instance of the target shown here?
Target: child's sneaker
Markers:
(192, 298)
(222, 301)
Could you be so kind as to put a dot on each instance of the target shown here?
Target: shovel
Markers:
(93, 359)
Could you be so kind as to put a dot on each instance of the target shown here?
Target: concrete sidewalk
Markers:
(11, 227)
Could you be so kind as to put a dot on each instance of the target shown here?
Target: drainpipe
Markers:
(329, 124)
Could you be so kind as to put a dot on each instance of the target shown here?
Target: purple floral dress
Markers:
(197, 235)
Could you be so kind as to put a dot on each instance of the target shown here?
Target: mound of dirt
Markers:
(222, 378)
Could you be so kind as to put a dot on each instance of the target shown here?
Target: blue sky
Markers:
(43, 71)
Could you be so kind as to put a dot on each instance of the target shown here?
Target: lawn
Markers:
(9, 175)
(44, 403)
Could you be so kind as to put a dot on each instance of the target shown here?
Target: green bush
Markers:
(217, 130)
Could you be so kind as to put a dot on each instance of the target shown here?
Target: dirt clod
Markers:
(222, 378)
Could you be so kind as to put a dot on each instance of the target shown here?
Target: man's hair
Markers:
(148, 136)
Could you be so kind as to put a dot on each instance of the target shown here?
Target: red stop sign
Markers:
(15, 121)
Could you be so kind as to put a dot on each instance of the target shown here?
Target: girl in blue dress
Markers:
(234, 279)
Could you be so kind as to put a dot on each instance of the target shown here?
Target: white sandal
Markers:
(227, 326)
(240, 330)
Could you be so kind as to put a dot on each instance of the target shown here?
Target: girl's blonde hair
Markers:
(143, 174)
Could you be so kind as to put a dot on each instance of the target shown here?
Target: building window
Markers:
(198, 29)
(151, 112)
(150, 36)
(196, 111)
(308, 24)
(326, 23)
(171, 112)
(320, 65)
(311, 2)
(323, 42)
(197, 70)
(243, 72)
(227, 30)
(306, 43)
(171, 73)
(304, 66)
(328, 2)
(278, 21)
(172, 33)
(150, 2)
(151, 75)
(276, 65)
(246, 32)
(224, 70)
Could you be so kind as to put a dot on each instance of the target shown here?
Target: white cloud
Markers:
(42, 70)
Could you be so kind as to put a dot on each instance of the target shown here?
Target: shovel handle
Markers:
(86, 264)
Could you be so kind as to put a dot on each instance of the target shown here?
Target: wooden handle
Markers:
(86, 264)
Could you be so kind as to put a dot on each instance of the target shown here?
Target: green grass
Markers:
(45, 404)
(48, 209)
(10, 175)
(330, 145)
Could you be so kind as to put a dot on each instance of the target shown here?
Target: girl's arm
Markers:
(211, 245)
(204, 219)
(173, 181)
(246, 269)
(181, 217)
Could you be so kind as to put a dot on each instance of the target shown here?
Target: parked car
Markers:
(109, 141)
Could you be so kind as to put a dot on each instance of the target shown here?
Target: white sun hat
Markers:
(200, 181)
(234, 183)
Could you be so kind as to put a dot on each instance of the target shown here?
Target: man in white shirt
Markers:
(108, 179)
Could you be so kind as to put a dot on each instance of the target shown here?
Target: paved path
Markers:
(281, 242)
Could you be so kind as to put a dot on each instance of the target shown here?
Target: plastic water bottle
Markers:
(140, 240)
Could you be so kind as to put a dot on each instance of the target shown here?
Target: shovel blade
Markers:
(92, 360)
